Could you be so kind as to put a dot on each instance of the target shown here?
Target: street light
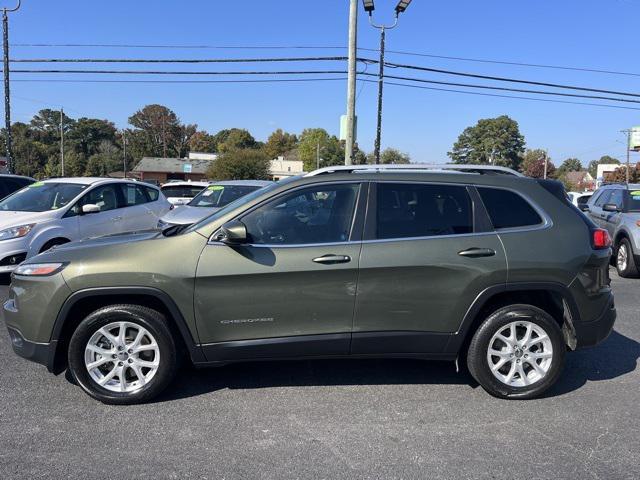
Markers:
(369, 7)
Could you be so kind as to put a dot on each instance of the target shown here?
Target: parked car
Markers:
(488, 267)
(57, 211)
(617, 209)
(181, 193)
(579, 198)
(208, 201)
(13, 183)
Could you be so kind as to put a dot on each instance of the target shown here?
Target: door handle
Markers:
(332, 259)
(477, 252)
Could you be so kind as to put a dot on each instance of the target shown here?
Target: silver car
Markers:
(208, 201)
(616, 207)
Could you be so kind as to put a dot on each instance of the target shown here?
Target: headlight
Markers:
(38, 269)
(16, 232)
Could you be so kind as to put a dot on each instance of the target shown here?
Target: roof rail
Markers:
(418, 167)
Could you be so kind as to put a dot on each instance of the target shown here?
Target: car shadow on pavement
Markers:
(301, 373)
(616, 356)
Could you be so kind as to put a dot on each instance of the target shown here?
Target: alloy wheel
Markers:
(622, 258)
(122, 357)
(520, 354)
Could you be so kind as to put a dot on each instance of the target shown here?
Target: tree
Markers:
(496, 141)
(391, 155)
(234, 139)
(86, 134)
(331, 149)
(245, 164)
(604, 160)
(533, 164)
(160, 131)
(107, 160)
(570, 165)
(279, 143)
(201, 141)
(620, 174)
(30, 154)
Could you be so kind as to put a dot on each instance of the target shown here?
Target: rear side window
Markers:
(407, 210)
(152, 193)
(134, 195)
(507, 209)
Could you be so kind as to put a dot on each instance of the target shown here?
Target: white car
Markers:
(210, 200)
(180, 193)
(61, 210)
(579, 199)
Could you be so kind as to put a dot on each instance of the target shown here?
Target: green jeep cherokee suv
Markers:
(477, 264)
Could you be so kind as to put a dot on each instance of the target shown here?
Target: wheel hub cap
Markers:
(122, 357)
(520, 354)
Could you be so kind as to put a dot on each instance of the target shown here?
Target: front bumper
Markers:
(41, 353)
(592, 333)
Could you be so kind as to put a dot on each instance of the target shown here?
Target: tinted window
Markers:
(616, 198)
(106, 197)
(220, 195)
(134, 195)
(508, 209)
(181, 191)
(633, 200)
(321, 214)
(603, 198)
(584, 199)
(415, 210)
(41, 196)
(152, 193)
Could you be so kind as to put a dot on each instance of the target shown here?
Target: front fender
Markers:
(45, 233)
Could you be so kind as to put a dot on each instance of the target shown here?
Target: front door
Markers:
(291, 290)
(425, 258)
(109, 219)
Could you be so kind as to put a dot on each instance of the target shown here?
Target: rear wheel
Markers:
(123, 354)
(625, 262)
(518, 352)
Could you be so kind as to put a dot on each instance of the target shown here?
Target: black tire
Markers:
(478, 349)
(52, 243)
(630, 270)
(154, 322)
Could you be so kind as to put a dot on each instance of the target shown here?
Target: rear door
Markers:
(136, 212)
(427, 254)
(291, 290)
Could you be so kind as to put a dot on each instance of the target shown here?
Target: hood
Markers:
(10, 219)
(109, 240)
(187, 215)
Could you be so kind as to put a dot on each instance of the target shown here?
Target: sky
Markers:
(424, 123)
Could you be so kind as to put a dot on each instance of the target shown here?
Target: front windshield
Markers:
(41, 197)
(634, 200)
(240, 201)
(218, 196)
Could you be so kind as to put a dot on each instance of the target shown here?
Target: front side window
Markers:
(616, 198)
(319, 214)
(507, 209)
(106, 197)
(603, 198)
(217, 196)
(42, 196)
(420, 210)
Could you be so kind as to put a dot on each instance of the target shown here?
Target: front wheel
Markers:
(518, 352)
(123, 354)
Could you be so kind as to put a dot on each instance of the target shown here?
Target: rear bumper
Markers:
(592, 333)
(36, 352)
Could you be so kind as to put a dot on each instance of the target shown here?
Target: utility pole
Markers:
(369, 7)
(7, 97)
(628, 132)
(124, 153)
(318, 155)
(62, 141)
(351, 82)
(546, 163)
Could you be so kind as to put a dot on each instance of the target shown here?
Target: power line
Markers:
(510, 80)
(262, 80)
(183, 72)
(506, 96)
(177, 60)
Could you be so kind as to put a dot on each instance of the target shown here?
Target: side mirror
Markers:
(90, 208)
(584, 207)
(610, 207)
(233, 233)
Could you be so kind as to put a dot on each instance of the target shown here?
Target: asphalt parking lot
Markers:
(334, 419)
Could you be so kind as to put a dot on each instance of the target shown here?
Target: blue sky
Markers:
(424, 123)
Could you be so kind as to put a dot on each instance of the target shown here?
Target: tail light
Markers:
(601, 239)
